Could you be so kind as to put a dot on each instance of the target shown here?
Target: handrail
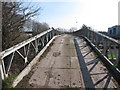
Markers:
(107, 37)
(115, 72)
(23, 50)
(18, 46)
(108, 46)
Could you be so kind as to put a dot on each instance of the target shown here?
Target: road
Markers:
(63, 67)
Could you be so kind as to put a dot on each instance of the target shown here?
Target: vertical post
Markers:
(1, 70)
(119, 44)
(119, 13)
(50, 35)
(0, 26)
(104, 46)
(47, 36)
(96, 40)
(53, 32)
(42, 39)
(36, 45)
(92, 36)
(118, 56)
(87, 33)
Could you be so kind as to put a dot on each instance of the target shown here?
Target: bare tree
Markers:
(28, 25)
(72, 29)
(39, 27)
(14, 16)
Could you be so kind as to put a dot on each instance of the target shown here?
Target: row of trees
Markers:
(35, 27)
(15, 15)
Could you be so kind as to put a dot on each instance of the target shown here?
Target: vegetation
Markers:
(8, 81)
(14, 17)
(109, 56)
(35, 27)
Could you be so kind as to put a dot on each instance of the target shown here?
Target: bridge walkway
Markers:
(68, 63)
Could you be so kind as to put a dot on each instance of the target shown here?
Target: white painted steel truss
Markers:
(23, 49)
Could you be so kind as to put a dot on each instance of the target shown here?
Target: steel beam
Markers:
(26, 46)
(101, 41)
(20, 45)
(112, 69)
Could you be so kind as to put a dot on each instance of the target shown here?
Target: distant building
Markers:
(114, 31)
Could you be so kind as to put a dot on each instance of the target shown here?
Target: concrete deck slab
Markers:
(61, 67)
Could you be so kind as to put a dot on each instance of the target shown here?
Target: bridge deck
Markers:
(69, 63)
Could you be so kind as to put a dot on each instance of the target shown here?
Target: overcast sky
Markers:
(99, 14)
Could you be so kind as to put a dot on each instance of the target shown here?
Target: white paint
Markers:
(33, 62)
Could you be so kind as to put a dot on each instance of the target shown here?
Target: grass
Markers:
(109, 56)
(7, 83)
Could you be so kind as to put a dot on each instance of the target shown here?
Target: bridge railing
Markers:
(108, 46)
(24, 50)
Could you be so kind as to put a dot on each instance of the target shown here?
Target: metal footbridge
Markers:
(53, 59)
